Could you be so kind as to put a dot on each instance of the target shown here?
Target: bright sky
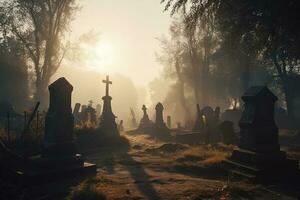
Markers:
(128, 30)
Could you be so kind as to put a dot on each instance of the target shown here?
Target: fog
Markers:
(87, 85)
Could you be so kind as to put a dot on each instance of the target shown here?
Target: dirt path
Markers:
(140, 175)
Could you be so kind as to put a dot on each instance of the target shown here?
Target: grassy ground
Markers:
(154, 170)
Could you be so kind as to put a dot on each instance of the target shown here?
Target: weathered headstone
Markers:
(160, 128)
(59, 121)
(108, 119)
(159, 121)
(212, 134)
(233, 115)
(59, 155)
(259, 156)
(228, 134)
(199, 122)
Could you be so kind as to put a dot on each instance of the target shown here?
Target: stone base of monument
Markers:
(261, 167)
(37, 170)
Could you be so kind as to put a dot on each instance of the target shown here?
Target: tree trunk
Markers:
(42, 94)
(181, 93)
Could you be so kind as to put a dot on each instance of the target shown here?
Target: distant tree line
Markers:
(216, 48)
(32, 46)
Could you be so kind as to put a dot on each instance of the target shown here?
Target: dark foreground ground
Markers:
(155, 170)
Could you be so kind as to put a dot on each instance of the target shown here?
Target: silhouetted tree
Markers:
(14, 79)
(265, 31)
(40, 26)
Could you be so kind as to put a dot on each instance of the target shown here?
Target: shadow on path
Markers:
(140, 176)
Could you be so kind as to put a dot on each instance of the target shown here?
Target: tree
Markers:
(40, 26)
(267, 32)
(14, 80)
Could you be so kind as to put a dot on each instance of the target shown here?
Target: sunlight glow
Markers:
(101, 57)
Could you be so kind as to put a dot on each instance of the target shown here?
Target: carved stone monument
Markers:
(259, 156)
(145, 122)
(59, 148)
(108, 120)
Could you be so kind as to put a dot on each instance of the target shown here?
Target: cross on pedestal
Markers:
(107, 82)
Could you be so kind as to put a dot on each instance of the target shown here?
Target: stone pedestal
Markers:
(108, 120)
(258, 156)
(145, 124)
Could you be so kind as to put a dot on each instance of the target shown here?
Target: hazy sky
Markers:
(128, 30)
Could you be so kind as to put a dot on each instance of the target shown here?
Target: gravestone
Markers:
(160, 129)
(259, 156)
(59, 157)
(146, 126)
(59, 121)
(233, 115)
(159, 121)
(199, 122)
(210, 118)
(108, 119)
(228, 134)
(145, 121)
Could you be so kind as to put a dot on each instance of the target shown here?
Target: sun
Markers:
(101, 57)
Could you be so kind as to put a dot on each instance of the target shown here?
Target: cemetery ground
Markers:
(154, 169)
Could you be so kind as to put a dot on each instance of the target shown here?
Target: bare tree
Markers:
(40, 26)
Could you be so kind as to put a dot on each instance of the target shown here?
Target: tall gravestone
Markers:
(259, 155)
(159, 121)
(59, 154)
(59, 122)
(160, 128)
(108, 120)
(199, 123)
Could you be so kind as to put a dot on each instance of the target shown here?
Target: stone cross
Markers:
(107, 123)
(107, 82)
